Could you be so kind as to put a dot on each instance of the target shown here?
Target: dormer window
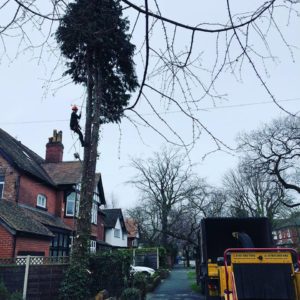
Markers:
(41, 201)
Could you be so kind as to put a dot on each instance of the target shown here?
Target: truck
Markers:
(238, 261)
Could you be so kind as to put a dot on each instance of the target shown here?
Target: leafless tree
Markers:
(254, 194)
(149, 224)
(176, 66)
(167, 183)
(172, 71)
(275, 150)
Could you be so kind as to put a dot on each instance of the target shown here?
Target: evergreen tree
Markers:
(95, 28)
(92, 36)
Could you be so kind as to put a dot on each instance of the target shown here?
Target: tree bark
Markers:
(92, 127)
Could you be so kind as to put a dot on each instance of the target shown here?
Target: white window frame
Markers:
(93, 246)
(96, 195)
(117, 233)
(41, 201)
(70, 202)
(75, 204)
(2, 182)
(94, 213)
(288, 233)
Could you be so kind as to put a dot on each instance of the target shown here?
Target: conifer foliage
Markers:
(93, 38)
(96, 27)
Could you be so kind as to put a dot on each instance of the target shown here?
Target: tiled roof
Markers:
(131, 227)
(64, 172)
(45, 218)
(111, 217)
(22, 157)
(18, 220)
(283, 223)
(69, 172)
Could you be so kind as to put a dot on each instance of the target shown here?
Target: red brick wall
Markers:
(100, 228)
(29, 189)
(70, 222)
(32, 244)
(96, 230)
(11, 178)
(60, 204)
(6, 243)
(54, 152)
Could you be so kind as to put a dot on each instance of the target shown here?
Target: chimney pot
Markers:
(55, 148)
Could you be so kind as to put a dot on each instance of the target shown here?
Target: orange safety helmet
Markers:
(74, 107)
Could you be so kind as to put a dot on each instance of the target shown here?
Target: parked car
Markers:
(141, 269)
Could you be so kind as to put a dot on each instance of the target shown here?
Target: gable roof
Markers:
(22, 157)
(69, 172)
(16, 218)
(132, 228)
(62, 173)
(111, 216)
(284, 223)
(54, 174)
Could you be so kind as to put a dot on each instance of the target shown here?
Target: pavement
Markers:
(175, 287)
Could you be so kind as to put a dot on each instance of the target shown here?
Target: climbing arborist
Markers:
(74, 125)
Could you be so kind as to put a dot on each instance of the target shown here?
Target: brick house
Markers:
(133, 233)
(39, 200)
(287, 233)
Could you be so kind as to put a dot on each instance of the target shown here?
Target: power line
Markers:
(167, 112)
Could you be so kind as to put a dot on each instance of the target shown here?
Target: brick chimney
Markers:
(55, 148)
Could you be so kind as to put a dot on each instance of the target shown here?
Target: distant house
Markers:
(132, 233)
(287, 233)
(39, 200)
(115, 229)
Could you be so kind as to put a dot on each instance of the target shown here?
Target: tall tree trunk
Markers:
(94, 91)
(164, 226)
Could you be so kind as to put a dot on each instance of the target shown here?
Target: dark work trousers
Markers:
(78, 131)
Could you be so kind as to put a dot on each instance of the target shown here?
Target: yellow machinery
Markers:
(260, 273)
(257, 273)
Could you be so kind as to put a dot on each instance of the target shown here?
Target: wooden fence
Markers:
(34, 277)
(146, 257)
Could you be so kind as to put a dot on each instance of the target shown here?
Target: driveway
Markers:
(175, 287)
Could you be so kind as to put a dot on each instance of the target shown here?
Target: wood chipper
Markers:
(239, 261)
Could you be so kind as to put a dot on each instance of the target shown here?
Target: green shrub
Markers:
(140, 282)
(131, 294)
(110, 271)
(4, 293)
(16, 296)
(75, 284)
(163, 273)
(153, 283)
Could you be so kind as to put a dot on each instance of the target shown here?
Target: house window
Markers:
(72, 205)
(288, 233)
(96, 195)
(93, 246)
(94, 213)
(60, 245)
(2, 177)
(117, 233)
(41, 201)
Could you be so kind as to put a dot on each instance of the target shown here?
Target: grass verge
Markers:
(193, 284)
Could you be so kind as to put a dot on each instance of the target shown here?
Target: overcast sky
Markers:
(31, 108)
